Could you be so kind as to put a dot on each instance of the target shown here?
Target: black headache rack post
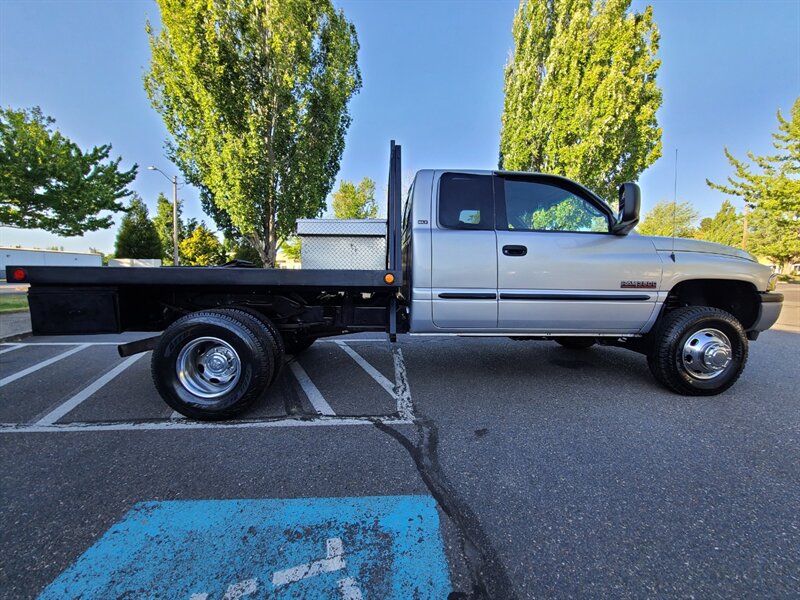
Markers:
(393, 234)
(83, 300)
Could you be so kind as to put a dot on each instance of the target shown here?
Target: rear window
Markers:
(466, 201)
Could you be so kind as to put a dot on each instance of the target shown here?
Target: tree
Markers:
(580, 92)
(163, 224)
(241, 249)
(725, 227)
(47, 182)
(202, 248)
(292, 248)
(769, 239)
(772, 185)
(137, 237)
(255, 95)
(667, 218)
(355, 202)
(569, 215)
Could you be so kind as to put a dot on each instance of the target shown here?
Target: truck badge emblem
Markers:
(638, 285)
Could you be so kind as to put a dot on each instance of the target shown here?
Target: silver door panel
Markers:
(464, 261)
(578, 263)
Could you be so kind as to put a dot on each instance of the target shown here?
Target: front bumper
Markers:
(769, 310)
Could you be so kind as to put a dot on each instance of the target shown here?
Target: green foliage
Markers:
(47, 182)
(137, 237)
(580, 92)
(241, 249)
(769, 238)
(254, 95)
(772, 185)
(567, 215)
(667, 216)
(355, 202)
(292, 247)
(202, 248)
(725, 227)
(163, 224)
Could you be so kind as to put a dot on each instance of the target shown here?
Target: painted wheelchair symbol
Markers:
(334, 561)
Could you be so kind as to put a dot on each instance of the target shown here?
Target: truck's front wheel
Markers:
(698, 351)
(211, 365)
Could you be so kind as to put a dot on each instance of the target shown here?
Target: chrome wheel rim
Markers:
(208, 367)
(706, 354)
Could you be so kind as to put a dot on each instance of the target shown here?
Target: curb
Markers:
(15, 337)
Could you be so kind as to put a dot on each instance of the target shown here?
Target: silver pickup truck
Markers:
(474, 253)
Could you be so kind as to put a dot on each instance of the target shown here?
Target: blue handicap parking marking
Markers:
(344, 548)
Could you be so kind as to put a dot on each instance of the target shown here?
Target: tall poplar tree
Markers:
(352, 201)
(255, 95)
(581, 93)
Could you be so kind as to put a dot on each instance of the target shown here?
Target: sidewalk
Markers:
(14, 324)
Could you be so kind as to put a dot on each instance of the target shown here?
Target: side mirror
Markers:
(630, 199)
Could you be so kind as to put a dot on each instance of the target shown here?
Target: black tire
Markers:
(576, 343)
(681, 336)
(267, 330)
(295, 346)
(186, 339)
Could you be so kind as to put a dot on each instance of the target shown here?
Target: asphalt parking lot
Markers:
(482, 468)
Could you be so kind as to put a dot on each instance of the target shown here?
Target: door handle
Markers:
(515, 250)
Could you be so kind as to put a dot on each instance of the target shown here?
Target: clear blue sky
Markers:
(433, 80)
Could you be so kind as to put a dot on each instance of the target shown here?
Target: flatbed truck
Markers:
(522, 255)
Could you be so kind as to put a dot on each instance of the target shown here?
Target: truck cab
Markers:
(526, 254)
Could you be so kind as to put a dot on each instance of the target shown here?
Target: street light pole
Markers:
(174, 179)
(175, 259)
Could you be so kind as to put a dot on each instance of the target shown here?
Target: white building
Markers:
(32, 257)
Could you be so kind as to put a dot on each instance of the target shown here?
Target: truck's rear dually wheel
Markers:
(212, 365)
(698, 351)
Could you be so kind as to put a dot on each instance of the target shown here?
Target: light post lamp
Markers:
(174, 179)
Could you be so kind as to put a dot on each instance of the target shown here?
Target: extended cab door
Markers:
(464, 252)
(559, 268)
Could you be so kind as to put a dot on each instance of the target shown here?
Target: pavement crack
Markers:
(487, 573)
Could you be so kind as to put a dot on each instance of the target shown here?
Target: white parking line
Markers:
(314, 395)
(41, 365)
(326, 415)
(11, 348)
(321, 421)
(371, 371)
(70, 404)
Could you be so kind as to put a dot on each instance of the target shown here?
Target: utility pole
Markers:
(174, 179)
(175, 259)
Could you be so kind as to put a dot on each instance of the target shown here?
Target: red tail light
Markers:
(19, 274)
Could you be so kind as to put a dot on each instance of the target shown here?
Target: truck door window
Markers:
(538, 206)
(466, 201)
